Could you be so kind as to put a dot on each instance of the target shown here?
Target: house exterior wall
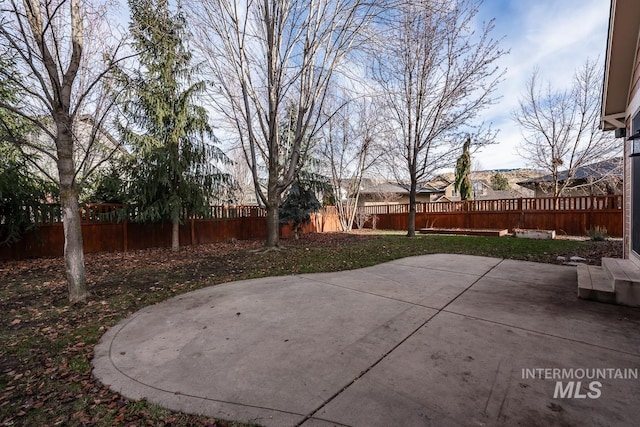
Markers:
(450, 190)
(633, 108)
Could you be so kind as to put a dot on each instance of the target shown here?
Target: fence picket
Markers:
(112, 227)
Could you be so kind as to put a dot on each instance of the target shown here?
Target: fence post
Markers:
(554, 207)
(607, 209)
(521, 211)
(125, 234)
(593, 202)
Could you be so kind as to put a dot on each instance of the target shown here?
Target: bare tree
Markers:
(271, 62)
(560, 127)
(348, 148)
(436, 73)
(60, 53)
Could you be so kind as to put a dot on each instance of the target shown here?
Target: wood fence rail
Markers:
(575, 215)
(116, 212)
(570, 203)
(112, 227)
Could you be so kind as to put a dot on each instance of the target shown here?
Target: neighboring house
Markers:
(348, 185)
(440, 188)
(398, 193)
(387, 193)
(390, 193)
(481, 190)
(604, 177)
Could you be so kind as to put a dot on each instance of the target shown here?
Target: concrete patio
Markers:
(441, 340)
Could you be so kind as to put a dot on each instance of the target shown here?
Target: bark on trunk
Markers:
(175, 236)
(273, 206)
(273, 227)
(73, 250)
(411, 226)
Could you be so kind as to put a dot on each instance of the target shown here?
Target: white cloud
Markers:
(557, 37)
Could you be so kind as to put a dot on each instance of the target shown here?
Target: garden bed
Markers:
(466, 231)
(535, 234)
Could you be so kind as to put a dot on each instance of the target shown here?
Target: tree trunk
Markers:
(73, 250)
(352, 217)
(273, 206)
(411, 226)
(175, 236)
(273, 226)
(556, 190)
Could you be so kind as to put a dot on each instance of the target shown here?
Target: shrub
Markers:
(598, 233)
(298, 206)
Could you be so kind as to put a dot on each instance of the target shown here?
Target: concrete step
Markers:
(594, 283)
(625, 276)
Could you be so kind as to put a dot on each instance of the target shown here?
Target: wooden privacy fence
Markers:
(108, 227)
(574, 215)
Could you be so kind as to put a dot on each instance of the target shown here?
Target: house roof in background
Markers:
(396, 188)
(596, 171)
(501, 194)
(382, 188)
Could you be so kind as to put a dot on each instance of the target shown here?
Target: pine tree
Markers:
(12, 126)
(499, 182)
(21, 195)
(301, 200)
(298, 206)
(463, 172)
(21, 191)
(174, 172)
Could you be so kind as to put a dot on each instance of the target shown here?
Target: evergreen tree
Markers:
(298, 206)
(174, 169)
(21, 191)
(12, 126)
(499, 182)
(109, 185)
(21, 195)
(463, 172)
(301, 200)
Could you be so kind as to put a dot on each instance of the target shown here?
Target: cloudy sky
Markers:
(557, 36)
